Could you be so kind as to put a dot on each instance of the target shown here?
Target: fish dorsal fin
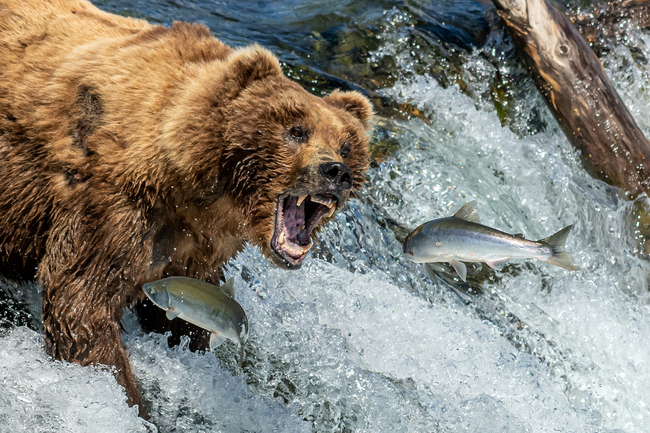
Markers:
(469, 213)
(216, 340)
(497, 264)
(172, 314)
(460, 269)
(228, 288)
(520, 236)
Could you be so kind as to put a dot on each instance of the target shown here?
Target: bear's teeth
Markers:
(332, 210)
(294, 249)
(301, 198)
(328, 202)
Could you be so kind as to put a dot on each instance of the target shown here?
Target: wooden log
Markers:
(579, 93)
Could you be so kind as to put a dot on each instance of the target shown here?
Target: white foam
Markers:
(40, 395)
(188, 391)
(351, 333)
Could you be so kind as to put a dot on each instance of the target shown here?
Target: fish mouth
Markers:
(407, 248)
(296, 217)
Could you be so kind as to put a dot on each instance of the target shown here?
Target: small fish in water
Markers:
(210, 307)
(462, 238)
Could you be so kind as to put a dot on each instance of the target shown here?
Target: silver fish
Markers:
(462, 238)
(210, 307)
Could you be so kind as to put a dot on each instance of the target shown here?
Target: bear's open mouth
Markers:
(296, 217)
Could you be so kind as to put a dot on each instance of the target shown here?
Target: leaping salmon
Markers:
(462, 238)
(210, 307)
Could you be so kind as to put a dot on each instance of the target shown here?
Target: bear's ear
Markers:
(250, 64)
(354, 103)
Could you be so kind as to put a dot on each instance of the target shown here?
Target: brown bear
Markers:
(133, 152)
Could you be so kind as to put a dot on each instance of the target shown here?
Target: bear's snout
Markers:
(337, 173)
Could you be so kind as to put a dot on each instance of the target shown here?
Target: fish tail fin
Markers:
(559, 257)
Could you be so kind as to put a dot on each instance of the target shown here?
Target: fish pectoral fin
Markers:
(172, 314)
(460, 269)
(497, 264)
(216, 340)
(430, 272)
(241, 354)
(228, 288)
(469, 213)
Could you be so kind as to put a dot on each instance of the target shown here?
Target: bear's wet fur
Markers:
(133, 152)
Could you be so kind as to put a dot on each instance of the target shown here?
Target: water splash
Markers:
(41, 395)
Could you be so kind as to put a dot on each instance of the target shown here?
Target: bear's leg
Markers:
(85, 291)
(86, 331)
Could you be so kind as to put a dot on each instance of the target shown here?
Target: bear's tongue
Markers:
(294, 223)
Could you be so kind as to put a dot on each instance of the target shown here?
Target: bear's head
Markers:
(288, 159)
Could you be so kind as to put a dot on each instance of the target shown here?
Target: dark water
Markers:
(327, 45)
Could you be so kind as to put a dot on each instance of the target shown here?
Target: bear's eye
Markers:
(345, 150)
(298, 133)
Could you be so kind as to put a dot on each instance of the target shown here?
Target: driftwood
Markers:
(579, 93)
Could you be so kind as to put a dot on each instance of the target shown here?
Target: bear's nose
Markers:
(337, 173)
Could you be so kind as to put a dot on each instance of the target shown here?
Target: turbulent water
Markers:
(360, 340)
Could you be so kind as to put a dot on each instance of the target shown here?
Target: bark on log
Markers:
(579, 93)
